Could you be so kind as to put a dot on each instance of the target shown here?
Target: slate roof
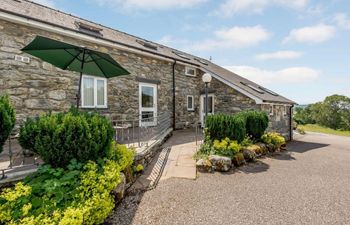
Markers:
(34, 11)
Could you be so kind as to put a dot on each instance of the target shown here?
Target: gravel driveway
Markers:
(309, 184)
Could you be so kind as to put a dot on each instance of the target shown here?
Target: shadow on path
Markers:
(302, 146)
(256, 167)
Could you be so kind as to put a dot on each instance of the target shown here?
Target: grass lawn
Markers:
(325, 130)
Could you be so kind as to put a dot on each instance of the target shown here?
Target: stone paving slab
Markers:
(177, 163)
(180, 163)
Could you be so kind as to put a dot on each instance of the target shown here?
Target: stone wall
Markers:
(186, 85)
(37, 87)
(279, 119)
(228, 100)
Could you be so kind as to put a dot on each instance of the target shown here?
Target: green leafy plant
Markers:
(247, 141)
(7, 119)
(256, 122)
(273, 138)
(301, 130)
(75, 195)
(139, 168)
(59, 138)
(226, 147)
(221, 126)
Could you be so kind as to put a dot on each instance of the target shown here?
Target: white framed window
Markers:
(93, 92)
(271, 110)
(190, 71)
(190, 103)
(148, 104)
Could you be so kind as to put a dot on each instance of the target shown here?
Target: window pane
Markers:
(147, 116)
(189, 102)
(88, 91)
(147, 96)
(100, 92)
(190, 71)
(210, 104)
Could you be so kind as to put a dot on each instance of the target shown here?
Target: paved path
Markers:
(180, 163)
(309, 184)
(174, 161)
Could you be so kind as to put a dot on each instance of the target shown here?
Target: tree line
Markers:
(333, 112)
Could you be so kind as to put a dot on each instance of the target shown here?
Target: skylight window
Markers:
(89, 29)
(253, 88)
(202, 61)
(147, 44)
(181, 55)
(268, 91)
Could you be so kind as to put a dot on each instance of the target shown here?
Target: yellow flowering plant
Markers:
(226, 147)
(78, 194)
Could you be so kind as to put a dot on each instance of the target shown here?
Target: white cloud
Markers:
(235, 37)
(148, 4)
(342, 20)
(270, 77)
(279, 55)
(48, 3)
(312, 34)
(233, 7)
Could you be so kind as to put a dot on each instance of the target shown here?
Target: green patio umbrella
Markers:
(74, 58)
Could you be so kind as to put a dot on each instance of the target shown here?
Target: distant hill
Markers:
(301, 106)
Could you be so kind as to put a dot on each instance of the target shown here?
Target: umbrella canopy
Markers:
(74, 58)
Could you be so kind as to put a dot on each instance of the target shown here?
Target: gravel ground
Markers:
(309, 184)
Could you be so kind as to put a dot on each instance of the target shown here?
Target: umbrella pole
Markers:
(81, 75)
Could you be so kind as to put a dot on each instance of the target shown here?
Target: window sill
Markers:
(92, 107)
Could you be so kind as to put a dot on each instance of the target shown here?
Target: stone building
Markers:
(162, 80)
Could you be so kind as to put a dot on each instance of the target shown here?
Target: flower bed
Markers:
(223, 148)
(82, 169)
(79, 194)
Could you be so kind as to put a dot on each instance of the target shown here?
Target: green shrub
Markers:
(7, 119)
(59, 138)
(221, 126)
(273, 138)
(138, 168)
(78, 194)
(247, 141)
(256, 122)
(301, 130)
(226, 147)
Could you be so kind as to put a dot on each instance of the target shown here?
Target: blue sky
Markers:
(298, 48)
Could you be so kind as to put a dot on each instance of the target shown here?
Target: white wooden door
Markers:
(148, 104)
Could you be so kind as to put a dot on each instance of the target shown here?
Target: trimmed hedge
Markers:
(221, 126)
(256, 122)
(7, 119)
(238, 126)
(59, 138)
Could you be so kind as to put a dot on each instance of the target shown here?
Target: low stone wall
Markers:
(146, 155)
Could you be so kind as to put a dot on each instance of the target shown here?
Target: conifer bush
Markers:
(256, 122)
(221, 126)
(59, 138)
(7, 119)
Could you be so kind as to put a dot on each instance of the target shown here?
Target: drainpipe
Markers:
(291, 122)
(174, 87)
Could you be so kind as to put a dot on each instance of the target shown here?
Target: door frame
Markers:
(202, 111)
(153, 109)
